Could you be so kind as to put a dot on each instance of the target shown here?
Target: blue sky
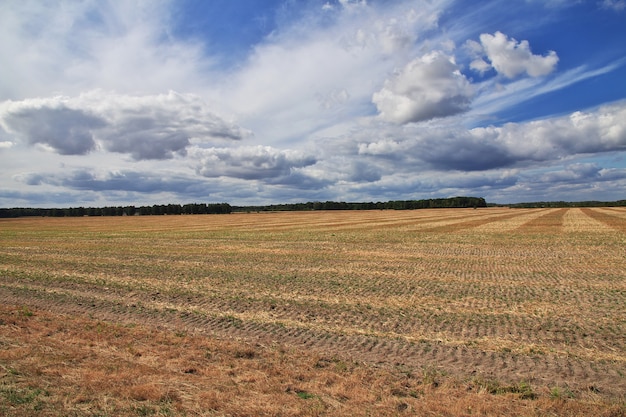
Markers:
(257, 102)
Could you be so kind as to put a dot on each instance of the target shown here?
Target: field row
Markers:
(514, 294)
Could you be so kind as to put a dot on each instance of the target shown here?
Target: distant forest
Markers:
(157, 209)
(562, 204)
(225, 208)
(453, 202)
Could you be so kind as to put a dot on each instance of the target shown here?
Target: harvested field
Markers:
(447, 312)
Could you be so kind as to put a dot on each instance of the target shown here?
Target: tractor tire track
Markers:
(160, 311)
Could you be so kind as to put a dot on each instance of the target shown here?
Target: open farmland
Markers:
(448, 312)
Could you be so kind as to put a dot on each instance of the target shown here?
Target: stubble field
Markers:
(426, 312)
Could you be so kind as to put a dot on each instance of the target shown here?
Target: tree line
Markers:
(565, 204)
(453, 202)
(225, 208)
(157, 209)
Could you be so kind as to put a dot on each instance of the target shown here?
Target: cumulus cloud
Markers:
(145, 127)
(602, 130)
(319, 72)
(250, 162)
(437, 149)
(427, 87)
(480, 65)
(343, 97)
(510, 57)
(514, 162)
(159, 126)
(385, 146)
(444, 147)
(65, 130)
(580, 133)
(464, 153)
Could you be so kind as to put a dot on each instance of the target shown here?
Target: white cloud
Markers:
(65, 130)
(444, 147)
(514, 162)
(145, 127)
(616, 5)
(572, 173)
(427, 87)
(383, 147)
(603, 130)
(512, 58)
(249, 162)
(480, 65)
(67, 47)
(347, 99)
(503, 163)
(556, 3)
(494, 96)
(313, 75)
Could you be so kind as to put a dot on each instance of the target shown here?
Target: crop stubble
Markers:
(515, 295)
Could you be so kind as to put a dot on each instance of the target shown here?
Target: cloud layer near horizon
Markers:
(338, 101)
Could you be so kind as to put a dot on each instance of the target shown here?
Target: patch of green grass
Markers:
(21, 396)
(26, 312)
(431, 376)
(145, 410)
(523, 388)
(561, 393)
(12, 371)
(305, 395)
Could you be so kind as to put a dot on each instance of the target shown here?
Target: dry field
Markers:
(428, 312)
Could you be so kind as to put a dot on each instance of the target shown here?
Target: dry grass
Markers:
(432, 312)
(59, 365)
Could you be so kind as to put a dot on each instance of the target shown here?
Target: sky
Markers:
(129, 102)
